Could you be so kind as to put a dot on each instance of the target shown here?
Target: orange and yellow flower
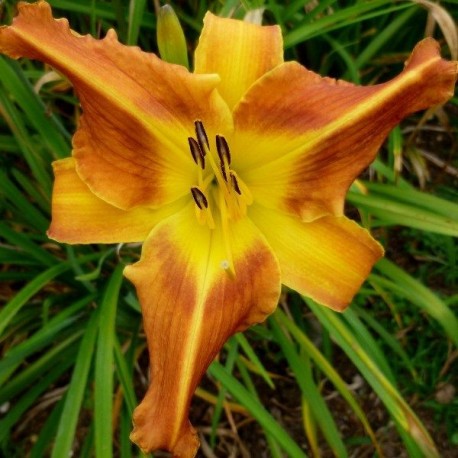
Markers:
(233, 176)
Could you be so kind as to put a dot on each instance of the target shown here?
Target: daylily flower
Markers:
(233, 176)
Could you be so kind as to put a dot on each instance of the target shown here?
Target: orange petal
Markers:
(138, 110)
(191, 305)
(237, 51)
(79, 216)
(327, 259)
(305, 138)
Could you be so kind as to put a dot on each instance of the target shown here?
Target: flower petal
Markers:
(327, 259)
(303, 139)
(138, 110)
(190, 306)
(79, 216)
(239, 52)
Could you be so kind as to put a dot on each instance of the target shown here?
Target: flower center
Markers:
(219, 188)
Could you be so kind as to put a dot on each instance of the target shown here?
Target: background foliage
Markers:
(378, 380)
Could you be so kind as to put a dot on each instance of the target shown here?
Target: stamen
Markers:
(223, 150)
(245, 191)
(199, 198)
(201, 137)
(235, 184)
(223, 171)
(196, 153)
(220, 188)
(217, 170)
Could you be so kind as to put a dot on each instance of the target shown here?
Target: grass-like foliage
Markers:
(377, 380)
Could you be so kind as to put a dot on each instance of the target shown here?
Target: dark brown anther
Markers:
(201, 136)
(194, 148)
(223, 149)
(196, 152)
(235, 184)
(199, 198)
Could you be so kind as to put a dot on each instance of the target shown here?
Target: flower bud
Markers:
(170, 37)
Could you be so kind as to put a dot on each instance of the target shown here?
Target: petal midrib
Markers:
(195, 326)
(359, 112)
(100, 86)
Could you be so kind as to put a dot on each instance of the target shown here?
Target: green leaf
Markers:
(383, 36)
(44, 336)
(340, 18)
(301, 368)
(52, 133)
(75, 393)
(392, 211)
(418, 199)
(23, 241)
(248, 350)
(416, 437)
(136, 10)
(400, 282)
(13, 306)
(125, 377)
(103, 394)
(232, 356)
(48, 432)
(240, 393)
(21, 206)
(310, 349)
(60, 354)
(22, 405)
